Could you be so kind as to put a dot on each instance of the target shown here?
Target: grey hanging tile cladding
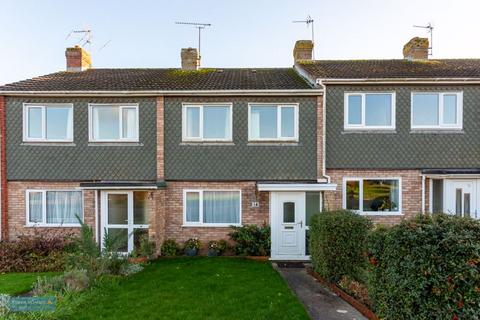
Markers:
(81, 161)
(403, 149)
(241, 161)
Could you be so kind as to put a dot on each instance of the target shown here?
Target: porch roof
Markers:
(447, 172)
(272, 186)
(123, 185)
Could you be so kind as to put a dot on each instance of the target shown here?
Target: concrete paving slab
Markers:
(320, 302)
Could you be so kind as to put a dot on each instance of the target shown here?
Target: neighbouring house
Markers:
(189, 152)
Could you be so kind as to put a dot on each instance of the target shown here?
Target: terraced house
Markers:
(181, 153)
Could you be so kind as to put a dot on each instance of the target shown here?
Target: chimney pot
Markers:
(190, 59)
(303, 50)
(416, 49)
(77, 59)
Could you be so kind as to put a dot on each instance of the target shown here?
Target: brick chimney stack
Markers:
(190, 59)
(303, 50)
(77, 59)
(416, 49)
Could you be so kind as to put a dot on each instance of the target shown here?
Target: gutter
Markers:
(141, 93)
(402, 81)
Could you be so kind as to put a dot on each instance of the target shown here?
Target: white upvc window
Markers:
(53, 208)
(207, 122)
(373, 196)
(213, 208)
(51, 122)
(272, 122)
(113, 123)
(369, 110)
(437, 110)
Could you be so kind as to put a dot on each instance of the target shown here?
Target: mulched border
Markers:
(345, 296)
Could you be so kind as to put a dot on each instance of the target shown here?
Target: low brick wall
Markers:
(174, 210)
(411, 191)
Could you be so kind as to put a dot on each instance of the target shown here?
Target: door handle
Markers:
(301, 223)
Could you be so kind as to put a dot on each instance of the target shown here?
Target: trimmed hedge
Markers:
(426, 268)
(251, 240)
(338, 244)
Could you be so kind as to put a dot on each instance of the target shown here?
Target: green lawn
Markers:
(193, 288)
(16, 283)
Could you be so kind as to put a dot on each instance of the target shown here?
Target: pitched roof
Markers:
(398, 68)
(164, 80)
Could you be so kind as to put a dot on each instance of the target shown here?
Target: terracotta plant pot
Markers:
(138, 260)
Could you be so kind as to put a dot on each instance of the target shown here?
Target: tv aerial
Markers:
(310, 23)
(200, 27)
(429, 29)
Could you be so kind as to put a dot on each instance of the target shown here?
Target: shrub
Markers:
(170, 248)
(70, 281)
(34, 253)
(219, 246)
(338, 244)
(251, 240)
(193, 243)
(426, 268)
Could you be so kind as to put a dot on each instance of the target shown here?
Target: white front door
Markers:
(121, 220)
(288, 225)
(461, 198)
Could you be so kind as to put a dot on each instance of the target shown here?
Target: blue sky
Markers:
(246, 33)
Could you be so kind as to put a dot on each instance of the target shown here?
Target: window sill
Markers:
(437, 131)
(48, 143)
(207, 143)
(210, 225)
(380, 213)
(278, 143)
(114, 144)
(44, 225)
(369, 131)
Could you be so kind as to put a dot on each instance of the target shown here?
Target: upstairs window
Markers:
(369, 110)
(437, 110)
(269, 122)
(49, 123)
(54, 208)
(210, 122)
(113, 123)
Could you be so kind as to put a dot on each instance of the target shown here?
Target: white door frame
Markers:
(449, 196)
(276, 225)
(129, 225)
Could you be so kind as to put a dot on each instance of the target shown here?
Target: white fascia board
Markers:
(97, 93)
(296, 187)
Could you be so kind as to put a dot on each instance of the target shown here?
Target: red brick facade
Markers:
(174, 210)
(3, 172)
(17, 210)
(411, 191)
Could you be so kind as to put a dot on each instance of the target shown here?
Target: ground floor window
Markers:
(50, 208)
(212, 207)
(370, 196)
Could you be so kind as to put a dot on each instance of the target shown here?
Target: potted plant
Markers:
(192, 246)
(143, 252)
(217, 248)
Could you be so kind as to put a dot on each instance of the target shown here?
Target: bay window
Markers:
(209, 122)
(369, 110)
(436, 110)
(212, 207)
(48, 122)
(112, 123)
(273, 122)
(372, 196)
(53, 208)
